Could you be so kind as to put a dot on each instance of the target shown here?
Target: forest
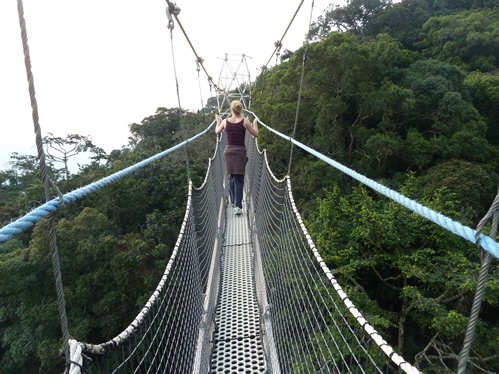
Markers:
(404, 93)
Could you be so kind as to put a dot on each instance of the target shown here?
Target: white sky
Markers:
(100, 65)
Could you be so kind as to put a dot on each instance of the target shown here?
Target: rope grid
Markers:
(314, 326)
(168, 334)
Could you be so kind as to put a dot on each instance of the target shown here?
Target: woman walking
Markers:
(235, 151)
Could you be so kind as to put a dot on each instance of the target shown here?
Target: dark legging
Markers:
(236, 183)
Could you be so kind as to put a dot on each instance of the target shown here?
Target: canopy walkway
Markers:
(247, 294)
(244, 294)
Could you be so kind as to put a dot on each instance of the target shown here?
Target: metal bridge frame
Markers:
(234, 83)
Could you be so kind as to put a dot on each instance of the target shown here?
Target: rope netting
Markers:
(311, 325)
(172, 332)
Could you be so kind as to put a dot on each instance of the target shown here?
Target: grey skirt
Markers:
(235, 159)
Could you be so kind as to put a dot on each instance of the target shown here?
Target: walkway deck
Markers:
(238, 339)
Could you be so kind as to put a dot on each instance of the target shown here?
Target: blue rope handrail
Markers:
(487, 243)
(15, 228)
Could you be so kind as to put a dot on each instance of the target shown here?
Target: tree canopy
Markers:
(405, 93)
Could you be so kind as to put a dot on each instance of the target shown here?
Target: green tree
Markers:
(157, 132)
(357, 16)
(443, 123)
(485, 95)
(113, 245)
(61, 149)
(468, 39)
(404, 20)
(23, 169)
(409, 277)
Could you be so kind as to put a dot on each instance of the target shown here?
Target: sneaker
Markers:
(238, 211)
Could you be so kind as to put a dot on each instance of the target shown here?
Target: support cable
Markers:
(198, 69)
(485, 260)
(465, 232)
(278, 44)
(173, 6)
(47, 184)
(273, 76)
(301, 87)
(171, 25)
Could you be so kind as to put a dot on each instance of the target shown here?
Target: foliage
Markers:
(357, 16)
(113, 245)
(61, 149)
(468, 39)
(409, 277)
(405, 88)
(393, 94)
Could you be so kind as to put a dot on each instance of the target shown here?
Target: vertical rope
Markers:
(170, 26)
(262, 75)
(486, 258)
(47, 183)
(273, 75)
(301, 87)
(198, 69)
(277, 44)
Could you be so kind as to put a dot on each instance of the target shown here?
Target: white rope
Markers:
(76, 359)
(388, 350)
(125, 334)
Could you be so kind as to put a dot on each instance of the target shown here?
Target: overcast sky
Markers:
(100, 65)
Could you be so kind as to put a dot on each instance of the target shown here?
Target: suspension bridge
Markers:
(242, 294)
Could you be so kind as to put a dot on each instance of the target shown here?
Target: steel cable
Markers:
(54, 254)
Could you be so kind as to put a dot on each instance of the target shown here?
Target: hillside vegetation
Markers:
(406, 94)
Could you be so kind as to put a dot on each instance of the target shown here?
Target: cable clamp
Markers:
(172, 9)
(199, 62)
(171, 24)
(266, 313)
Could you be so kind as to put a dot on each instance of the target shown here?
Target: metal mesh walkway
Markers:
(237, 340)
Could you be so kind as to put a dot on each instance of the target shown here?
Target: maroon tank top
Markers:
(235, 133)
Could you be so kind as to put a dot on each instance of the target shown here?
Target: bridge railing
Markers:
(172, 333)
(310, 324)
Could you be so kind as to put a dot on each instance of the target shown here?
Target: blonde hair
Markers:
(236, 107)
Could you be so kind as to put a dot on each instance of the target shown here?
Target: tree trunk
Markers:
(401, 331)
(404, 312)
(66, 166)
